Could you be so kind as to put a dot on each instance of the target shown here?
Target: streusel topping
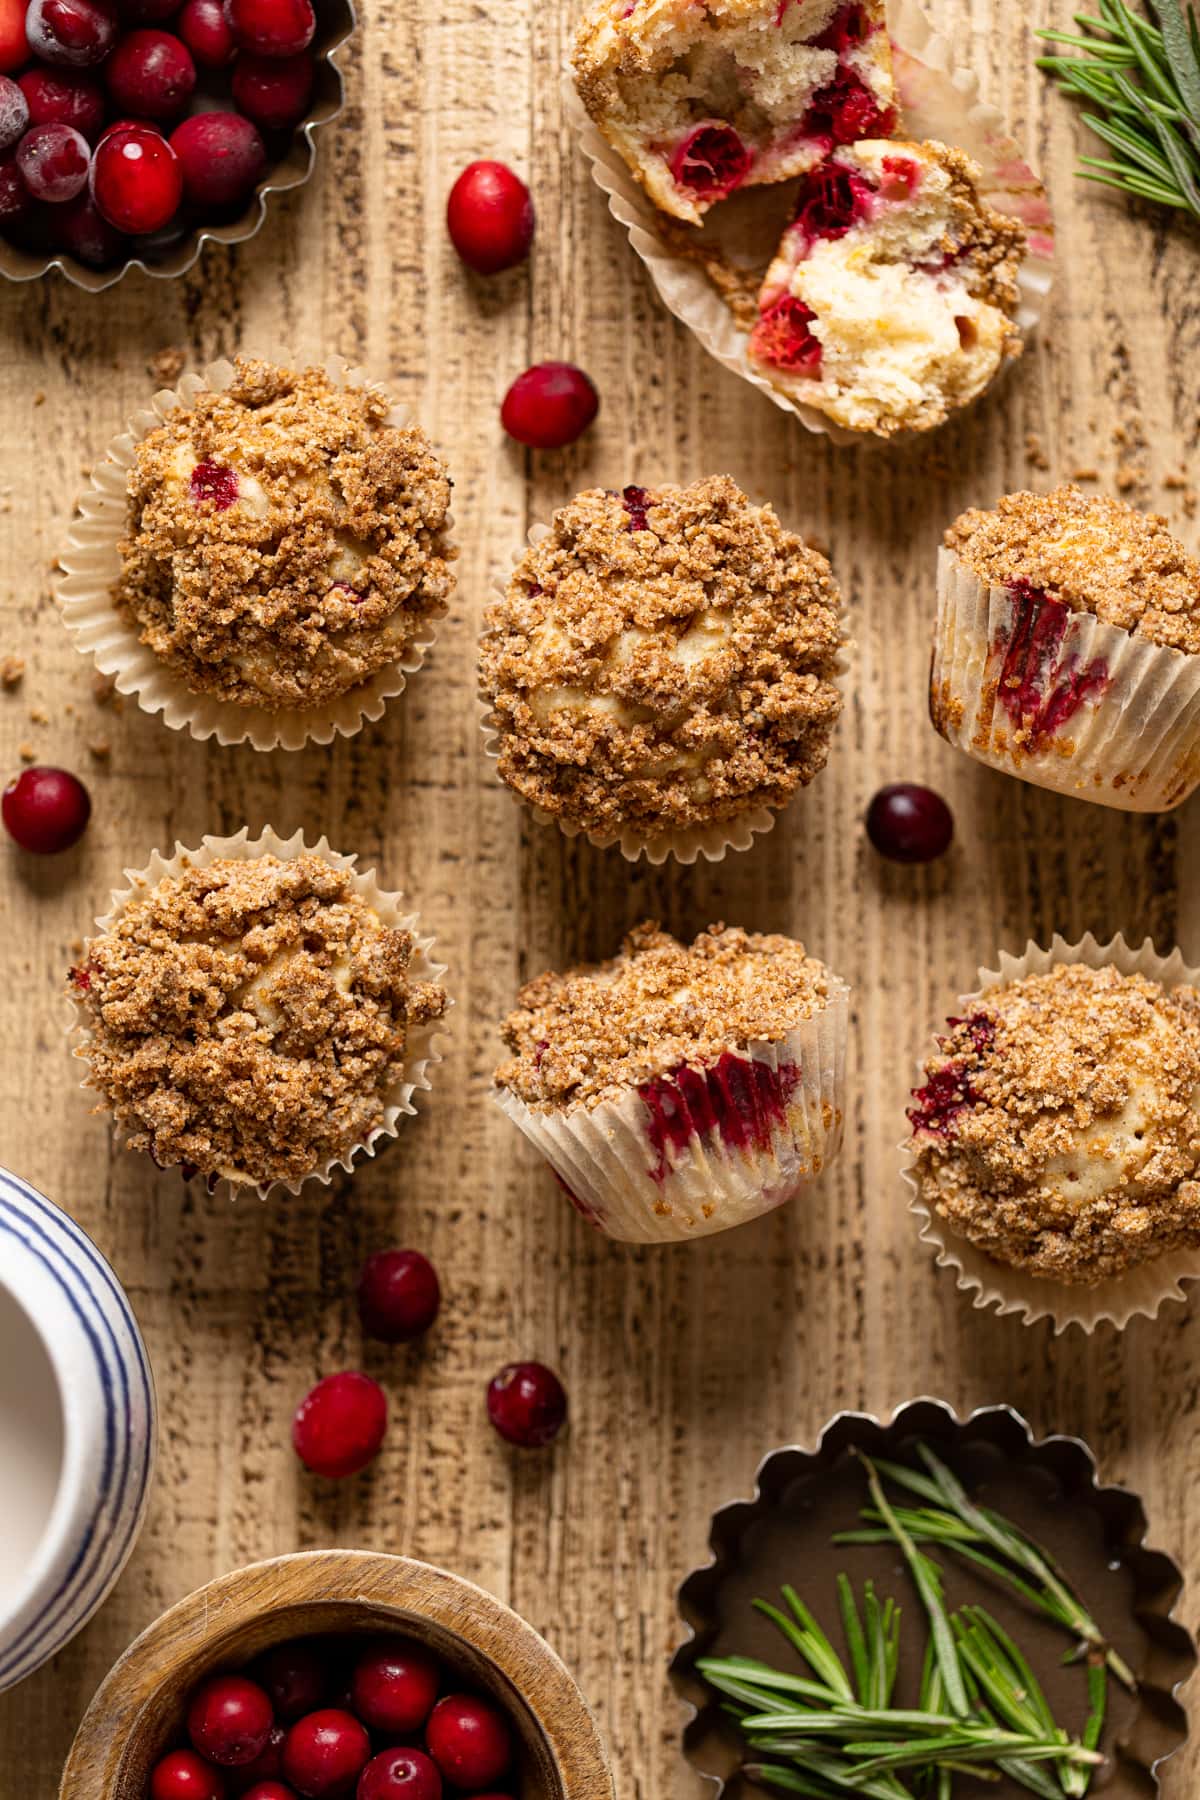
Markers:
(1092, 554)
(663, 658)
(1058, 1127)
(592, 1033)
(283, 541)
(250, 1018)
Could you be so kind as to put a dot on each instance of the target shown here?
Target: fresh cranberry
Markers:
(229, 1720)
(711, 161)
(339, 1426)
(151, 75)
(267, 1765)
(398, 1295)
(269, 1790)
(75, 33)
(469, 1740)
(146, 12)
(550, 405)
(221, 156)
(784, 337)
(182, 1775)
(273, 91)
(489, 216)
(14, 113)
(16, 202)
(325, 1753)
(45, 810)
(272, 27)
(63, 97)
(14, 47)
(400, 1775)
(205, 30)
(83, 231)
(296, 1677)
(54, 162)
(394, 1686)
(136, 179)
(527, 1404)
(909, 824)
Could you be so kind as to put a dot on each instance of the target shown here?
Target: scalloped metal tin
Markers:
(1056, 1476)
(336, 21)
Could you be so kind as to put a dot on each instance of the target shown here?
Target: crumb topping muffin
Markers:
(283, 541)
(702, 99)
(248, 1019)
(663, 658)
(1092, 555)
(1058, 1128)
(892, 297)
(592, 1033)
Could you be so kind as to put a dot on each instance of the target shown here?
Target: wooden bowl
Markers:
(138, 1710)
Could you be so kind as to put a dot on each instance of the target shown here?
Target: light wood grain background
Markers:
(683, 1366)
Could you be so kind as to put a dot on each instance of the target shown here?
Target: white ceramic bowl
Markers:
(77, 1420)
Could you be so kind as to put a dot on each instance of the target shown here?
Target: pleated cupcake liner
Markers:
(1139, 1292)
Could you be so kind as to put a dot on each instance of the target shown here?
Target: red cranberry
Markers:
(549, 405)
(295, 1677)
(63, 97)
(394, 1686)
(213, 481)
(14, 113)
(469, 1741)
(909, 824)
(151, 75)
(205, 30)
(269, 1790)
(274, 91)
(784, 337)
(182, 1775)
(527, 1404)
(272, 27)
(75, 33)
(146, 12)
(14, 48)
(229, 1720)
(221, 156)
(712, 160)
(339, 1426)
(489, 216)
(54, 162)
(136, 179)
(267, 1765)
(400, 1775)
(45, 810)
(398, 1295)
(83, 231)
(16, 202)
(325, 1754)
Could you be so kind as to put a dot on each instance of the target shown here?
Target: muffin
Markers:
(702, 100)
(678, 1090)
(1067, 648)
(254, 1018)
(283, 542)
(891, 300)
(662, 666)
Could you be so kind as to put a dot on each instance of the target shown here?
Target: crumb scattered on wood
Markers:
(1087, 473)
(166, 366)
(1130, 475)
(39, 399)
(12, 669)
(101, 749)
(26, 752)
(38, 715)
(1035, 451)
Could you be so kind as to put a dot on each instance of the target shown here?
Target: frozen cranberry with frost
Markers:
(74, 33)
(295, 1676)
(54, 162)
(398, 1295)
(274, 91)
(16, 202)
(394, 1685)
(325, 1753)
(221, 156)
(14, 48)
(400, 1775)
(909, 824)
(63, 97)
(205, 30)
(136, 179)
(229, 1720)
(272, 27)
(340, 1425)
(489, 216)
(151, 75)
(469, 1740)
(182, 1775)
(81, 229)
(45, 810)
(527, 1404)
(549, 406)
(14, 113)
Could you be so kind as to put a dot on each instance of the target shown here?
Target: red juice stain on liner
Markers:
(711, 160)
(1039, 689)
(950, 1091)
(739, 1100)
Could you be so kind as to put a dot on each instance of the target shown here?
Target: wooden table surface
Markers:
(683, 1366)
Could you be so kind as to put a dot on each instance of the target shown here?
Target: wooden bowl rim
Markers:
(168, 1646)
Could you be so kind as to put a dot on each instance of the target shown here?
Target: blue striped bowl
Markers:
(77, 1418)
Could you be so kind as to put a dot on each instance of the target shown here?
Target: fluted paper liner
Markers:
(938, 99)
(633, 1189)
(1133, 739)
(91, 565)
(422, 1053)
(1140, 1291)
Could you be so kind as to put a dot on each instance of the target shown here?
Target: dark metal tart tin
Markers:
(1048, 1486)
(292, 156)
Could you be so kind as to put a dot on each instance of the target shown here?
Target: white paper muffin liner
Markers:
(1140, 1291)
(636, 1188)
(423, 1053)
(1133, 741)
(687, 842)
(91, 565)
(937, 99)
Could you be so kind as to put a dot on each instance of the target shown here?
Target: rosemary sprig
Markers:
(1142, 77)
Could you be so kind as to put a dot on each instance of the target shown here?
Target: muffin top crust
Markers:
(593, 1032)
(283, 541)
(663, 658)
(249, 1019)
(1058, 1127)
(1092, 554)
